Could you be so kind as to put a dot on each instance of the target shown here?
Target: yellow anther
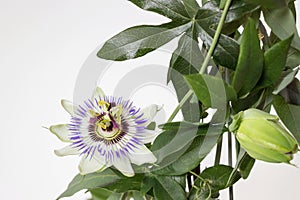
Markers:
(104, 105)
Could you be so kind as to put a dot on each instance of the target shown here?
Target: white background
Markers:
(43, 44)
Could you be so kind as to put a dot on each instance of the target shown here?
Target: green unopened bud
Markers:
(263, 137)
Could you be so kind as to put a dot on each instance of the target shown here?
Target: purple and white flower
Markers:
(107, 131)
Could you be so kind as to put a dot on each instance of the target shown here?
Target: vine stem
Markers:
(206, 59)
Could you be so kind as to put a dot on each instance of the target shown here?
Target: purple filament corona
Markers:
(95, 129)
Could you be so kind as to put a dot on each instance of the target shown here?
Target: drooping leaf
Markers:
(90, 181)
(250, 63)
(289, 114)
(215, 179)
(282, 24)
(140, 40)
(186, 59)
(211, 91)
(274, 62)
(172, 9)
(227, 50)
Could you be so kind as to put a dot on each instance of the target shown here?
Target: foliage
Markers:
(249, 69)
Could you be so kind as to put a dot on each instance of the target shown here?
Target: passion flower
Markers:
(107, 131)
(263, 136)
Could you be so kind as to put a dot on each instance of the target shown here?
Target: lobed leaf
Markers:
(191, 6)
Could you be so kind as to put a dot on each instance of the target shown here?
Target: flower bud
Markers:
(263, 137)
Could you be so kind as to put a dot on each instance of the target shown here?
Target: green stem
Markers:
(184, 99)
(207, 58)
(218, 151)
(230, 162)
(216, 37)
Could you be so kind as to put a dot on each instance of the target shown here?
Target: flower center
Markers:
(108, 124)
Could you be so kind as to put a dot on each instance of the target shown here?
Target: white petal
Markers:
(149, 136)
(98, 92)
(149, 113)
(66, 151)
(142, 155)
(61, 131)
(68, 106)
(123, 165)
(88, 165)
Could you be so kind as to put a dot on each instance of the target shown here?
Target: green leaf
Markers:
(291, 93)
(137, 195)
(272, 4)
(250, 63)
(274, 62)
(198, 140)
(293, 59)
(172, 9)
(211, 91)
(227, 50)
(115, 196)
(147, 184)
(100, 194)
(182, 125)
(216, 177)
(237, 10)
(167, 188)
(191, 6)
(90, 181)
(186, 59)
(237, 15)
(140, 40)
(287, 78)
(289, 114)
(125, 184)
(245, 163)
(282, 24)
(247, 102)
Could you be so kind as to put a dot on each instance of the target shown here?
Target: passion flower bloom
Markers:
(107, 131)
(263, 136)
